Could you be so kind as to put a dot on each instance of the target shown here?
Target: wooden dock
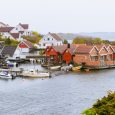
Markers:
(98, 67)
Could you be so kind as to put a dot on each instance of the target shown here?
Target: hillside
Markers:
(104, 35)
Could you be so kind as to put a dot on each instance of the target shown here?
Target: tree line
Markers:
(90, 40)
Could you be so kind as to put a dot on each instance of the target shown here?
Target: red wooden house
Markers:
(68, 54)
(62, 53)
(54, 53)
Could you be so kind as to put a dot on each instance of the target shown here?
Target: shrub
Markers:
(105, 106)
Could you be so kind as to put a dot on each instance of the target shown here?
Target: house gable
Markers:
(23, 45)
(103, 51)
(67, 56)
(94, 51)
(17, 29)
(52, 51)
(110, 49)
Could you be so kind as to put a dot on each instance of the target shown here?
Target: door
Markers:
(102, 60)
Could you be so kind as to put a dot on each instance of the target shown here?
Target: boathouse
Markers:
(96, 56)
(54, 53)
(68, 54)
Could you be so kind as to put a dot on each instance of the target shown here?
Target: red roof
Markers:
(113, 47)
(57, 37)
(60, 49)
(6, 29)
(84, 49)
(28, 43)
(25, 26)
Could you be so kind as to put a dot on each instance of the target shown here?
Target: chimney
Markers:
(68, 45)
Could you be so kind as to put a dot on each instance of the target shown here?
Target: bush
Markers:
(105, 106)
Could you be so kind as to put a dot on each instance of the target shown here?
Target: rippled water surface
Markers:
(67, 94)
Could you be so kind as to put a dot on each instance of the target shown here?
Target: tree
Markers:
(97, 41)
(65, 42)
(8, 41)
(35, 38)
(106, 41)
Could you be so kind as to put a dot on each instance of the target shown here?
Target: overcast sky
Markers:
(70, 16)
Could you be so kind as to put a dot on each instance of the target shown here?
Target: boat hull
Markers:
(36, 74)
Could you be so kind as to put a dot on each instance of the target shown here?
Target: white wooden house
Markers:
(23, 29)
(23, 49)
(51, 39)
(15, 32)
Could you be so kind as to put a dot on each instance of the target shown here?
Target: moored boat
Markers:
(76, 68)
(55, 67)
(35, 74)
(6, 75)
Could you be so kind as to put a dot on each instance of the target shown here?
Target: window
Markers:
(44, 44)
(48, 39)
(94, 58)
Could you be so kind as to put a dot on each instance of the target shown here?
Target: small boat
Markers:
(76, 68)
(55, 67)
(6, 75)
(35, 74)
(66, 68)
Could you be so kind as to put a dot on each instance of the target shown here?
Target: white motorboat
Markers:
(5, 75)
(35, 74)
(66, 68)
(55, 67)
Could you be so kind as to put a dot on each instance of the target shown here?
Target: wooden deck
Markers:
(99, 67)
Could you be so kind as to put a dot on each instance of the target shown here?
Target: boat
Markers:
(55, 68)
(35, 74)
(6, 75)
(66, 68)
(76, 68)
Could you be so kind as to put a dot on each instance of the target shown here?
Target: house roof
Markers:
(60, 49)
(56, 36)
(4, 24)
(8, 50)
(101, 46)
(84, 49)
(6, 29)
(28, 43)
(25, 26)
(113, 47)
(15, 35)
(72, 49)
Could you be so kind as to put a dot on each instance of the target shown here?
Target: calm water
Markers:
(66, 94)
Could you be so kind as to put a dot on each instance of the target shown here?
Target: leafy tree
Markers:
(87, 40)
(11, 42)
(35, 38)
(8, 41)
(97, 41)
(65, 42)
(106, 41)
